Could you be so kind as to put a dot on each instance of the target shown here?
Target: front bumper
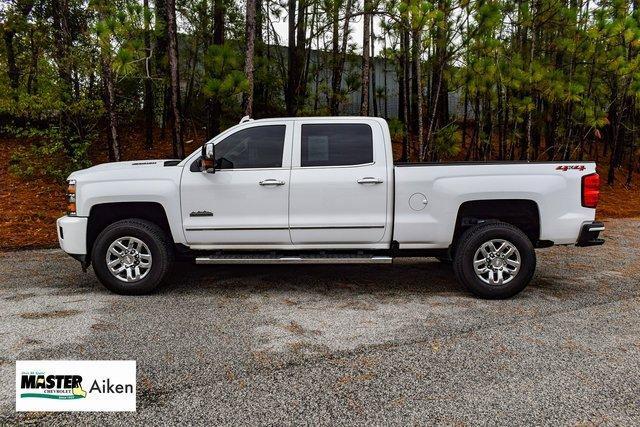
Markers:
(72, 235)
(589, 234)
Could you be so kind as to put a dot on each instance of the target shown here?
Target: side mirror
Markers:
(208, 161)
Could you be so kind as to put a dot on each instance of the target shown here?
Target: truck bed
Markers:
(428, 197)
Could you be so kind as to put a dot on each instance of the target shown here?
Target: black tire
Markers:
(473, 239)
(157, 243)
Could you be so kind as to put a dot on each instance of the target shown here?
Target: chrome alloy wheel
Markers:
(497, 262)
(129, 259)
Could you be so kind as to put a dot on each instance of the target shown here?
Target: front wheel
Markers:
(495, 260)
(131, 256)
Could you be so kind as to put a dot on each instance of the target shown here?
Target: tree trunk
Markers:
(366, 36)
(161, 46)
(384, 47)
(335, 58)
(406, 146)
(32, 80)
(432, 120)
(12, 67)
(148, 87)
(374, 88)
(418, 79)
(76, 83)
(259, 19)
(525, 152)
(413, 90)
(248, 68)
(292, 63)
(192, 63)
(110, 101)
(439, 115)
(218, 22)
(261, 102)
(400, 76)
(62, 43)
(24, 7)
(632, 146)
(407, 82)
(296, 81)
(613, 135)
(339, 56)
(487, 127)
(465, 119)
(214, 106)
(317, 70)
(176, 116)
(300, 88)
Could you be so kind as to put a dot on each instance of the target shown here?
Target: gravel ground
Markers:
(399, 344)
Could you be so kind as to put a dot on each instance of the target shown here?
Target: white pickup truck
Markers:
(324, 190)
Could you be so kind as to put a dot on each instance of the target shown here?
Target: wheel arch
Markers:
(104, 214)
(521, 213)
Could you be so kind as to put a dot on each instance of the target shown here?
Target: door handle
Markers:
(271, 182)
(369, 180)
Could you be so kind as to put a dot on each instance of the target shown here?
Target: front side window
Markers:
(338, 144)
(255, 147)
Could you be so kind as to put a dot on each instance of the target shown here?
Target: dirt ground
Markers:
(30, 207)
(397, 344)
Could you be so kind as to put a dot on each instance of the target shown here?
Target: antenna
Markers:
(245, 119)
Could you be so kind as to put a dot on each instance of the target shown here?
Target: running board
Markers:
(334, 259)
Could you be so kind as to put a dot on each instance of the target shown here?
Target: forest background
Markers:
(83, 82)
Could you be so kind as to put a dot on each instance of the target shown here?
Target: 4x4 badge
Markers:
(565, 168)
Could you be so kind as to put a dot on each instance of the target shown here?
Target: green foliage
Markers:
(224, 78)
(396, 129)
(51, 155)
(447, 142)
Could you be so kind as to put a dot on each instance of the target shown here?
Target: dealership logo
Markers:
(52, 386)
(100, 385)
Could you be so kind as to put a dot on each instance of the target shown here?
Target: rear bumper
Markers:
(589, 234)
(72, 235)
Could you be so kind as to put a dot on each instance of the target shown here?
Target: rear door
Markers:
(339, 183)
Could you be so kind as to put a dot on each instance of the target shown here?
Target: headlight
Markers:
(71, 197)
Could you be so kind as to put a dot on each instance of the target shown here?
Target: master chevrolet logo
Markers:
(52, 386)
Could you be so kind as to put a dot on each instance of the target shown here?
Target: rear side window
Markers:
(255, 147)
(337, 144)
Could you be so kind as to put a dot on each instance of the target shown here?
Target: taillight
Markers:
(590, 190)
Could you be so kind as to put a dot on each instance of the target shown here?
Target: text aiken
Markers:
(106, 387)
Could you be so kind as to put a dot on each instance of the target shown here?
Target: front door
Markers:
(339, 184)
(245, 202)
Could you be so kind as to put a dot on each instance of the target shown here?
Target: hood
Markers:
(135, 165)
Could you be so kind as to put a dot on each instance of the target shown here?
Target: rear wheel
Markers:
(495, 260)
(131, 256)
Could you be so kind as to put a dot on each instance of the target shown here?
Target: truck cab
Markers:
(333, 187)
